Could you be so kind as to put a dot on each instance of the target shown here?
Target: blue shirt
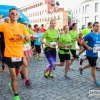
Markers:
(94, 42)
(37, 40)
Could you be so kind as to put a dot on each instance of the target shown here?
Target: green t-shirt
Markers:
(74, 36)
(86, 31)
(30, 32)
(51, 36)
(64, 39)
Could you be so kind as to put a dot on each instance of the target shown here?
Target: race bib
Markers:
(66, 48)
(95, 49)
(27, 47)
(53, 43)
(16, 59)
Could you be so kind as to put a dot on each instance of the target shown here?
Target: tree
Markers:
(69, 16)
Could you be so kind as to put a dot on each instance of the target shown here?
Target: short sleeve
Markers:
(25, 31)
(86, 38)
(1, 27)
(45, 34)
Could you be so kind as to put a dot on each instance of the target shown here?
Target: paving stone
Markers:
(58, 88)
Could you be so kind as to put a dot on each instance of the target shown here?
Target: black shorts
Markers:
(11, 64)
(64, 57)
(92, 61)
(32, 43)
(73, 52)
(38, 48)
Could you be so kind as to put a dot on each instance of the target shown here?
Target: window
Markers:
(96, 18)
(72, 15)
(76, 12)
(83, 10)
(59, 17)
(96, 7)
(86, 9)
(79, 11)
(83, 21)
(76, 20)
(86, 20)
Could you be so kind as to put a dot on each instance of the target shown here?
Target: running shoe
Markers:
(35, 57)
(28, 83)
(78, 58)
(22, 76)
(66, 76)
(81, 61)
(10, 87)
(97, 68)
(54, 67)
(51, 75)
(39, 59)
(16, 98)
(97, 83)
(3, 69)
(81, 71)
(46, 74)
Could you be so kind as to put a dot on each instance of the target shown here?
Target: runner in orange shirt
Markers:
(14, 35)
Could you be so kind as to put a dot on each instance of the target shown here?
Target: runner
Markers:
(80, 41)
(92, 47)
(27, 55)
(14, 35)
(37, 44)
(84, 32)
(7, 20)
(74, 37)
(43, 30)
(51, 36)
(64, 45)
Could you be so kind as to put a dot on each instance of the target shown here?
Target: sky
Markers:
(66, 3)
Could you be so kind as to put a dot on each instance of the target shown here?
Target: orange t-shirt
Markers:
(13, 43)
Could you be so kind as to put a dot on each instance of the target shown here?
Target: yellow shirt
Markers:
(13, 43)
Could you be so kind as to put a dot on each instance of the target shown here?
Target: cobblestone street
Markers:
(59, 88)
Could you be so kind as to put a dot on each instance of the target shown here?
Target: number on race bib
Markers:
(16, 59)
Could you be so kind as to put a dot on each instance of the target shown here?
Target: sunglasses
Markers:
(14, 13)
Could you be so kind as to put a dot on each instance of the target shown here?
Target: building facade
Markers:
(41, 12)
(88, 11)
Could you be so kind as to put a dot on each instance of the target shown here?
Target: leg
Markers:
(74, 55)
(68, 62)
(81, 51)
(49, 68)
(13, 80)
(25, 68)
(93, 72)
(62, 60)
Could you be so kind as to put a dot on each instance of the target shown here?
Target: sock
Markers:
(47, 68)
(50, 69)
(16, 94)
(17, 72)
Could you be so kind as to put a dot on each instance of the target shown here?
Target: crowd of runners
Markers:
(19, 42)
